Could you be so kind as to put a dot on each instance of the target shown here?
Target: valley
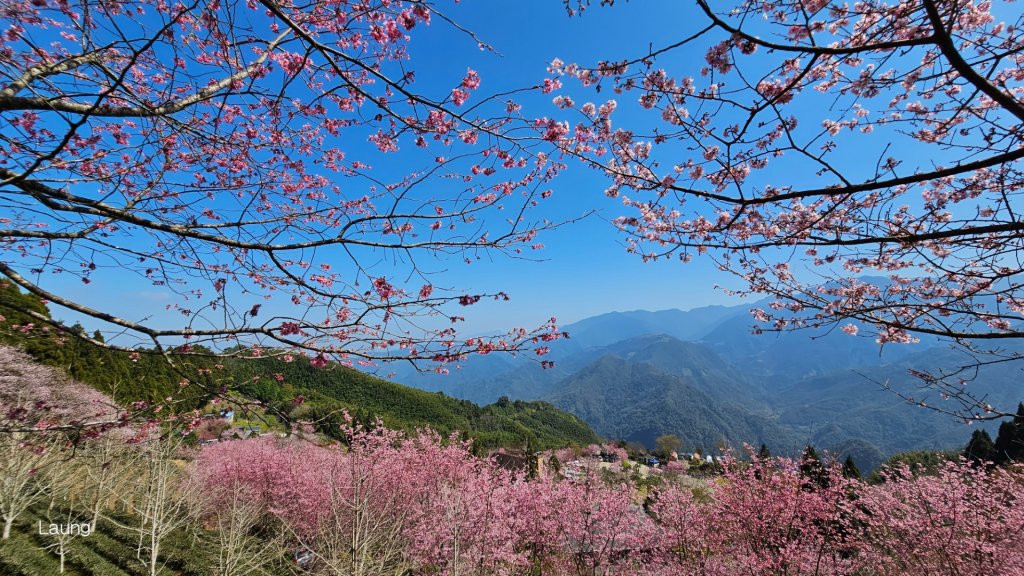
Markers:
(704, 376)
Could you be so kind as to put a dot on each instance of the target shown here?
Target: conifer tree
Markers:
(980, 448)
(1009, 444)
(531, 455)
(813, 470)
(850, 469)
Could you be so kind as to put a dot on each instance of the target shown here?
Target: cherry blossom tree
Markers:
(585, 526)
(462, 512)
(363, 528)
(684, 529)
(820, 143)
(768, 517)
(390, 503)
(41, 410)
(284, 476)
(962, 520)
(387, 502)
(253, 157)
(35, 398)
(761, 518)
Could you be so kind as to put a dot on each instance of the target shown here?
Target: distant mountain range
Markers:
(705, 376)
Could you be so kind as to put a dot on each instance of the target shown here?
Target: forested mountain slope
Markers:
(288, 390)
(785, 389)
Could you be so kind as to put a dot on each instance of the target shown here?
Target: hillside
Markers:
(328, 391)
(290, 390)
(638, 402)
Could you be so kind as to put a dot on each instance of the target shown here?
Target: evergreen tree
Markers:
(813, 470)
(1009, 445)
(850, 469)
(980, 448)
(763, 455)
(555, 465)
(531, 455)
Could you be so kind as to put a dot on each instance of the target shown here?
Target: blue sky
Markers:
(584, 269)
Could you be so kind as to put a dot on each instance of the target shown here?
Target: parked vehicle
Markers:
(304, 558)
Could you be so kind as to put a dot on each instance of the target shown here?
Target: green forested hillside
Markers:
(638, 402)
(328, 391)
(147, 377)
(290, 390)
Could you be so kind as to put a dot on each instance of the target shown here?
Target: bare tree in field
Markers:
(70, 522)
(105, 468)
(245, 538)
(24, 476)
(159, 501)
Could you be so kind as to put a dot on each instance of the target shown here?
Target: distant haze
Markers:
(704, 376)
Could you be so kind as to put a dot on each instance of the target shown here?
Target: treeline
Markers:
(1007, 447)
(981, 450)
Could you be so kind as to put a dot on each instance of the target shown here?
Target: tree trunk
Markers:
(153, 556)
(8, 522)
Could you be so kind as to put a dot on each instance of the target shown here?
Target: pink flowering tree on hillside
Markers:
(771, 517)
(385, 503)
(762, 517)
(286, 477)
(36, 398)
(461, 509)
(963, 520)
(585, 527)
(819, 143)
(231, 155)
(389, 503)
(42, 416)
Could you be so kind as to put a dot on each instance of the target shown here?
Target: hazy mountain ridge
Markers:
(635, 401)
(786, 389)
